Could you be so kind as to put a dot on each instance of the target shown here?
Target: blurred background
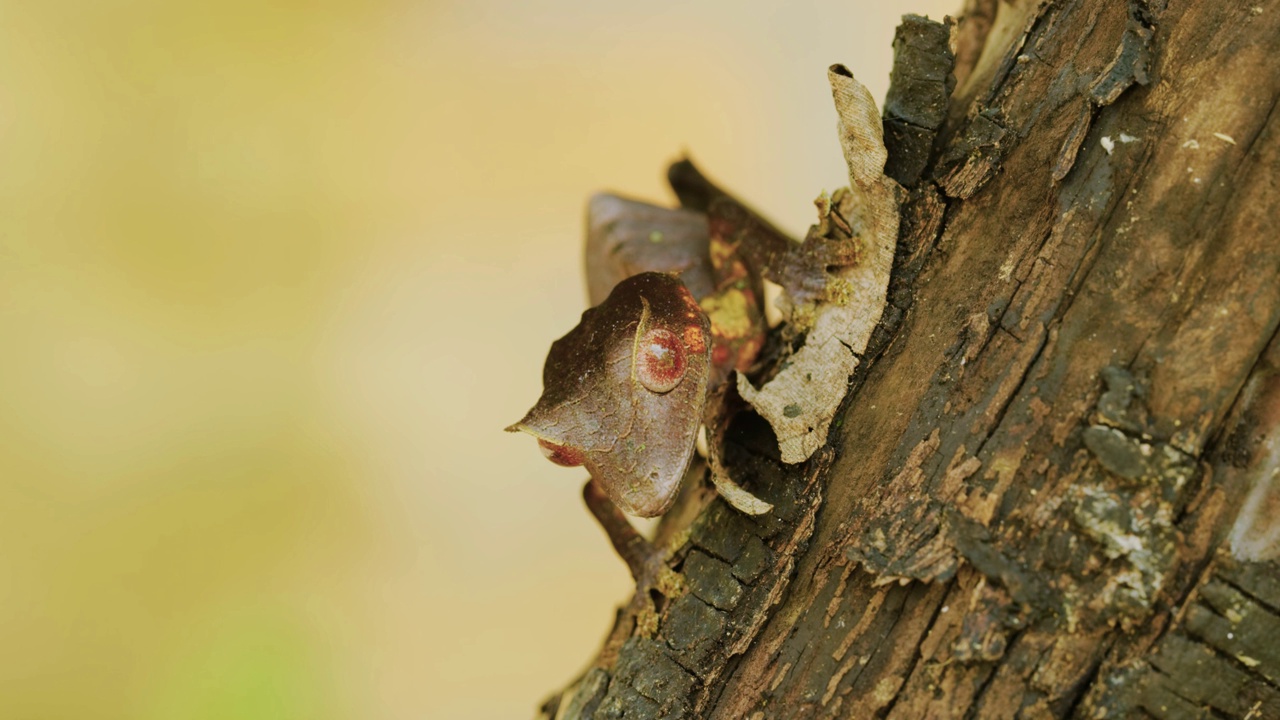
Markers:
(273, 278)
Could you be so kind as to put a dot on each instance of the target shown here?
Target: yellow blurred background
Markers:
(273, 278)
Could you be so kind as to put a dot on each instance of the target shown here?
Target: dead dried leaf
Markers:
(801, 400)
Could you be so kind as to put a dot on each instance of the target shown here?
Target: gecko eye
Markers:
(660, 360)
(562, 455)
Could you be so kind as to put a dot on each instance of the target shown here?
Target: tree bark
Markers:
(1052, 491)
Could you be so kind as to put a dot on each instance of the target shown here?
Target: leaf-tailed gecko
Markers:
(677, 312)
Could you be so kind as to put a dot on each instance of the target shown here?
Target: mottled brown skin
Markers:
(651, 267)
(597, 407)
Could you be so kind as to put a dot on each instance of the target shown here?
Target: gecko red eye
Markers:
(562, 455)
(660, 360)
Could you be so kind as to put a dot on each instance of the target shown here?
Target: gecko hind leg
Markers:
(643, 558)
(656, 582)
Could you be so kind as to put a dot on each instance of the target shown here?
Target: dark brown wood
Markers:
(1053, 493)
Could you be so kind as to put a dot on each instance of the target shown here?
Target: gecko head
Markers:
(623, 392)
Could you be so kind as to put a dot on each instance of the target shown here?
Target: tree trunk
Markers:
(1052, 491)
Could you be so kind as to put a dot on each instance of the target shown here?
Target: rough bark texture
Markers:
(1053, 492)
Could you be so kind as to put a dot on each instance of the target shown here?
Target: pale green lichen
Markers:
(671, 583)
(1128, 511)
(838, 292)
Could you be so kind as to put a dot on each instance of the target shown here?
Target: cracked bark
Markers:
(1053, 492)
